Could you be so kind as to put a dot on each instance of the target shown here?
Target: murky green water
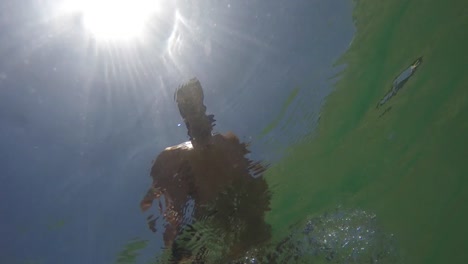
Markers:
(408, 166)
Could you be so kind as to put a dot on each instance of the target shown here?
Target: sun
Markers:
(114, 19)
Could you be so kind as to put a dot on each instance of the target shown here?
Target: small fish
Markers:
(400, 81)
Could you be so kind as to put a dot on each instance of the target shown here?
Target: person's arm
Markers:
(158, 173)
(170, 214)
(169, 172)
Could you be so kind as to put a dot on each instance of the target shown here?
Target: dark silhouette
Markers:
(212, 172)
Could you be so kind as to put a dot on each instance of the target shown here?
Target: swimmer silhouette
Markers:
(212, 172)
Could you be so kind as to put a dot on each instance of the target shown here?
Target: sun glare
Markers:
(114, 19)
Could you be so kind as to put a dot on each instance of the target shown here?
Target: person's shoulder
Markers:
(175, 151)
(229, 137)
(231, 143)
(180, 147)
(171, 157)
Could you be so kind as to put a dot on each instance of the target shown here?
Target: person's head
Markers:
(189, 98)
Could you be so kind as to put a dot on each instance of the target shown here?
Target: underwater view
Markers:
(158, 131)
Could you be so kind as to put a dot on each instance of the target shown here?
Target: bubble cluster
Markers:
(341, 236)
